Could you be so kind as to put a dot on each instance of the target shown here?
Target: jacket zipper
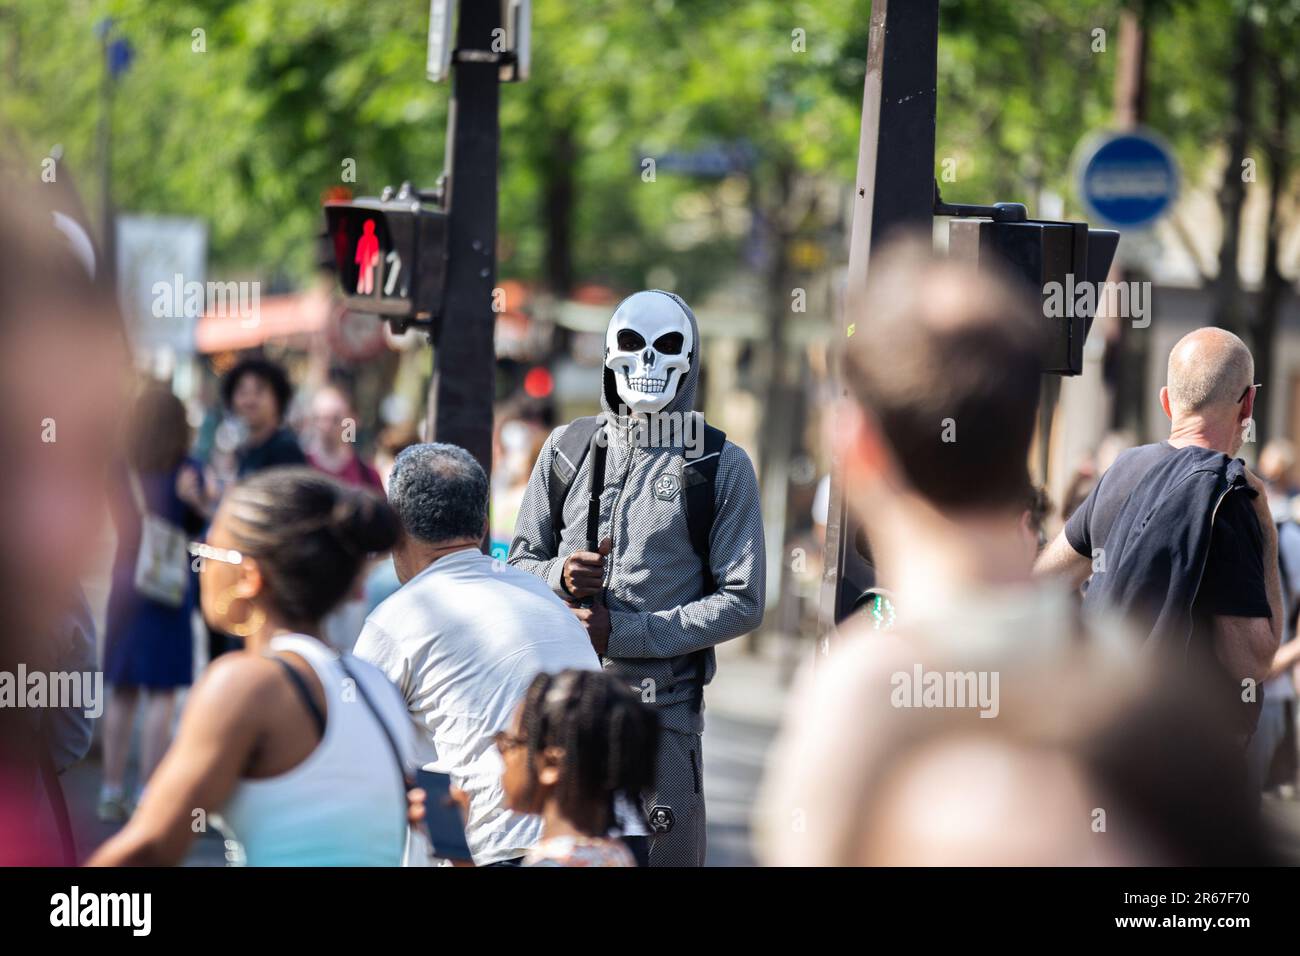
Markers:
(613, 518)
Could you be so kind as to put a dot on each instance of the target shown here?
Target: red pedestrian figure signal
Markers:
(391, 256)
(367, 258)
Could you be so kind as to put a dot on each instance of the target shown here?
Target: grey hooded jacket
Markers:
(659, 616)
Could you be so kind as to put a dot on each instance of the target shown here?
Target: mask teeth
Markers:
(648, 384)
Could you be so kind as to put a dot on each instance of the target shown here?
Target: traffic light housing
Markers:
(391, 256)
(1043, 253)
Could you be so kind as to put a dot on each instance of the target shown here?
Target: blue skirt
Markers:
(146, 644)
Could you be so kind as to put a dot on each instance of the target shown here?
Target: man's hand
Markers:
(415, 799)
(584, 571)
(596, 620)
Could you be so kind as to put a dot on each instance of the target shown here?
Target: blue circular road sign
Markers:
(1127, 180)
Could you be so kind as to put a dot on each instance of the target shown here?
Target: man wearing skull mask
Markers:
(671, 562)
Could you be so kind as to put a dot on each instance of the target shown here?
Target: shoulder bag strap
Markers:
(383, 724)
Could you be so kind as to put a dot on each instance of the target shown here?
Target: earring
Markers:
(250, 625)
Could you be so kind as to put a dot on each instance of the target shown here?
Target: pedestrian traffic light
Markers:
(876, 605)
(391, 255)
(1054, 258)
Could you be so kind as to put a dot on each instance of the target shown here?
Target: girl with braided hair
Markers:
(580, 740)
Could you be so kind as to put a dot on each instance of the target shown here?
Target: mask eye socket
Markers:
(670, 343)
(629, 340)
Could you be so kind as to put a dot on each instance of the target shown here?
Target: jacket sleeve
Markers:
(737, 558)
(533, 547)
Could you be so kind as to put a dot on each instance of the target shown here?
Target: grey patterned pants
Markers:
(676, 801)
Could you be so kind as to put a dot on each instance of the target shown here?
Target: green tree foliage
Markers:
(247, 123)
(250, 132)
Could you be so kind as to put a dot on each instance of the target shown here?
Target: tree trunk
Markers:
(1228, 309)
(779, 423)
(1128, 414)
(1264, 327)
(1131, 69)
(558, 195)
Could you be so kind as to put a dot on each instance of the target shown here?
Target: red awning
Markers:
(277, 317)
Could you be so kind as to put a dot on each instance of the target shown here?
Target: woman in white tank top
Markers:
(283, 739)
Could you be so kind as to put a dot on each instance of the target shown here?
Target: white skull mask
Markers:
(648, 348)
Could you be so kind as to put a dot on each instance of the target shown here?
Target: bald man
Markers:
(1177, 535)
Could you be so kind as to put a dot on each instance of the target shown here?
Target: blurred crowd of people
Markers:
(287, 545)
(1119, 694)
(149, 653)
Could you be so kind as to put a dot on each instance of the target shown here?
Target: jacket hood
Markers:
(683, 400)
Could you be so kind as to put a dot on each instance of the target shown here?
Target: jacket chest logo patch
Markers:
(667, 486)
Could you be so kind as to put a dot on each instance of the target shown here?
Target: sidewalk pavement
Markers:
(742, 707)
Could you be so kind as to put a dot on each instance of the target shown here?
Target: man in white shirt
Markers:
(464, 636)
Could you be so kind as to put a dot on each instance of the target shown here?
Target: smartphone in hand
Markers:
(442, 816)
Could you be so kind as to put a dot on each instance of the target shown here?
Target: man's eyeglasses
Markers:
(198, 549)
(507, 741)
(1257, 385)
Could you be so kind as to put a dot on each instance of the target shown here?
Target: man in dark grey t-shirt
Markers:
(1237, 609)
(1232, 582)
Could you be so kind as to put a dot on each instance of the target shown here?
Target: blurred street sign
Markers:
(152, 253)
(707, 162)
(1126, 180)
(120, 55)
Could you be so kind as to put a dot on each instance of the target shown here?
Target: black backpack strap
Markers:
(566, 462)
(698, 476)
(596, 453)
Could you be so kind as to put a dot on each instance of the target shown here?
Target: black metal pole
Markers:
(895, 188)
(464, 373)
